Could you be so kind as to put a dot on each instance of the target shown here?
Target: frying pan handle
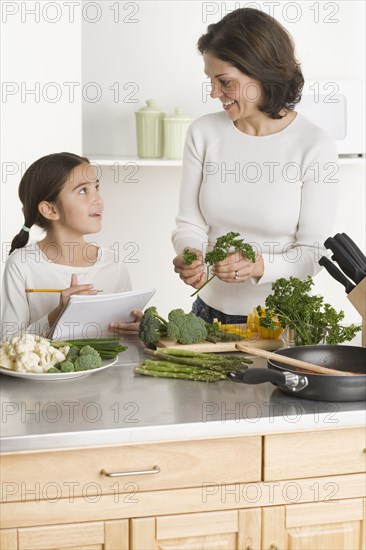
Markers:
(283, 379)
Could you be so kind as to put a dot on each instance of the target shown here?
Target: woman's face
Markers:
(239, 93)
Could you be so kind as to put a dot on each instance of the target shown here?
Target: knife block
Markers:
(357, 297)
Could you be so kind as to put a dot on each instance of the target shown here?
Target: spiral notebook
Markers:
(88, 316)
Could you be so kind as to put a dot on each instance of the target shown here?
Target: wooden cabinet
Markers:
(107, 535)
(309, 454)
(324, 525)
(302, 491)
(224, 530)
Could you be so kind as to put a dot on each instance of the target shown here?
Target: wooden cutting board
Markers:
(221, 347)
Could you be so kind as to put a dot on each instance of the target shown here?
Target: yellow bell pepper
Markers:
(244, 330)
(266, 333)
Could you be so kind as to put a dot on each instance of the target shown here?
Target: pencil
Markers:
(49, 290)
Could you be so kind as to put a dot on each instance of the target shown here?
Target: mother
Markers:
(257, 168)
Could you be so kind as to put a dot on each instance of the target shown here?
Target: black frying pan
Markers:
(321, 387)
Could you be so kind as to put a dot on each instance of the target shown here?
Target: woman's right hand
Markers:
(74, 288)
(194, 274)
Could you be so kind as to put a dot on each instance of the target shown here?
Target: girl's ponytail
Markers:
(21, 239)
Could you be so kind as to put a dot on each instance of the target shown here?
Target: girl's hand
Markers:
(132, 327)
(194, 274)
(74, 288)
(237, 269)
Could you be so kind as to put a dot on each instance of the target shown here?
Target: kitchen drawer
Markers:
(71, 473)
(312, 454)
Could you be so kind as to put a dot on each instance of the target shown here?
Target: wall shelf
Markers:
(112, 160)
(352, 160)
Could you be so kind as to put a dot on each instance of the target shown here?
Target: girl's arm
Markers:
(15, 313)
(74, 288)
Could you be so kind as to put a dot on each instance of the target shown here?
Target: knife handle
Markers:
(357, 252)
(336, 274)
(345, 261)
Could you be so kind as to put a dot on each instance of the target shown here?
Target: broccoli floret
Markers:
(73, 353)
(176, 319)
(67, 366)
(88, 350)
(53, 370)
(152, 326)
(186, 328)
(88, 361)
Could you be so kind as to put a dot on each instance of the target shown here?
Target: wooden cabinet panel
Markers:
(116, 535)
(196, 524)
(57, 474)
(311, 454)
(8, 539)
(339, 536)
(324, 512)
(321, 526)
(61, 535)
(219, 530)
(110, 535)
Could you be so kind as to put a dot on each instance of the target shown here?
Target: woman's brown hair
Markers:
(42, 181)
(257, 45)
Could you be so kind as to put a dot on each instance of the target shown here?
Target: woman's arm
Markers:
(191, 228)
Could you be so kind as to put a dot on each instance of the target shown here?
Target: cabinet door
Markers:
(220, 530)
(101, 535)
(323, 525)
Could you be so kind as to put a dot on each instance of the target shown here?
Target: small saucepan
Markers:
(308, 385)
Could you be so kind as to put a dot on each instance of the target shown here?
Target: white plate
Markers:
(53, 376)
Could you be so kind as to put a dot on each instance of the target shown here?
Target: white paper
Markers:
(88, 316)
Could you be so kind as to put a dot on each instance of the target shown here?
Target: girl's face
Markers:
(239, 94)
(80, 204)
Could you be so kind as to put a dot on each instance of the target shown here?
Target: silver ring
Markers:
(236, 277)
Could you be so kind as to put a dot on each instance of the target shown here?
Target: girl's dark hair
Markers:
(43, 181)
(259, 46)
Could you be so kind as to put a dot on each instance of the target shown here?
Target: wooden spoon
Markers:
(291, 361)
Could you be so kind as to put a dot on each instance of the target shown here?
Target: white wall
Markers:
(148, 50)
(41, 51)
(156, 56)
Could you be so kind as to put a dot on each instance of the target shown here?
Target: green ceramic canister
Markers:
(175, 129)
(149, 131)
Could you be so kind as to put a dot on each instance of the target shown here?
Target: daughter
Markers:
(60, 194)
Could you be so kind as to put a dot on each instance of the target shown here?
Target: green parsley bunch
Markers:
(225, 245)
(308, 315)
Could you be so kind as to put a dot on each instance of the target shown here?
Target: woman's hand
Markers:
(74, 288)
(132, 327)
(194, 274)
(238, 269)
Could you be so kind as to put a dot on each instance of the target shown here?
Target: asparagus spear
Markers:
(174, 367)
(195, 354)
(208, 376)
(220, 363)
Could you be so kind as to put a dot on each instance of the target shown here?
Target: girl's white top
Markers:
(28, 267)
(279, 191)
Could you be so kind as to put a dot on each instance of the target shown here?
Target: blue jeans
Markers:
(208, 314)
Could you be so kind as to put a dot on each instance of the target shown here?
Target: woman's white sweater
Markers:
(278, 191)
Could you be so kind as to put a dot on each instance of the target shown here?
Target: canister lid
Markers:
(179, 114)
(150, 108)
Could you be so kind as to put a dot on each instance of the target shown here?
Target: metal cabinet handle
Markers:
(155, 470)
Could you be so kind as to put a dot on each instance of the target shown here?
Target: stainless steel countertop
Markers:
(117, 406)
